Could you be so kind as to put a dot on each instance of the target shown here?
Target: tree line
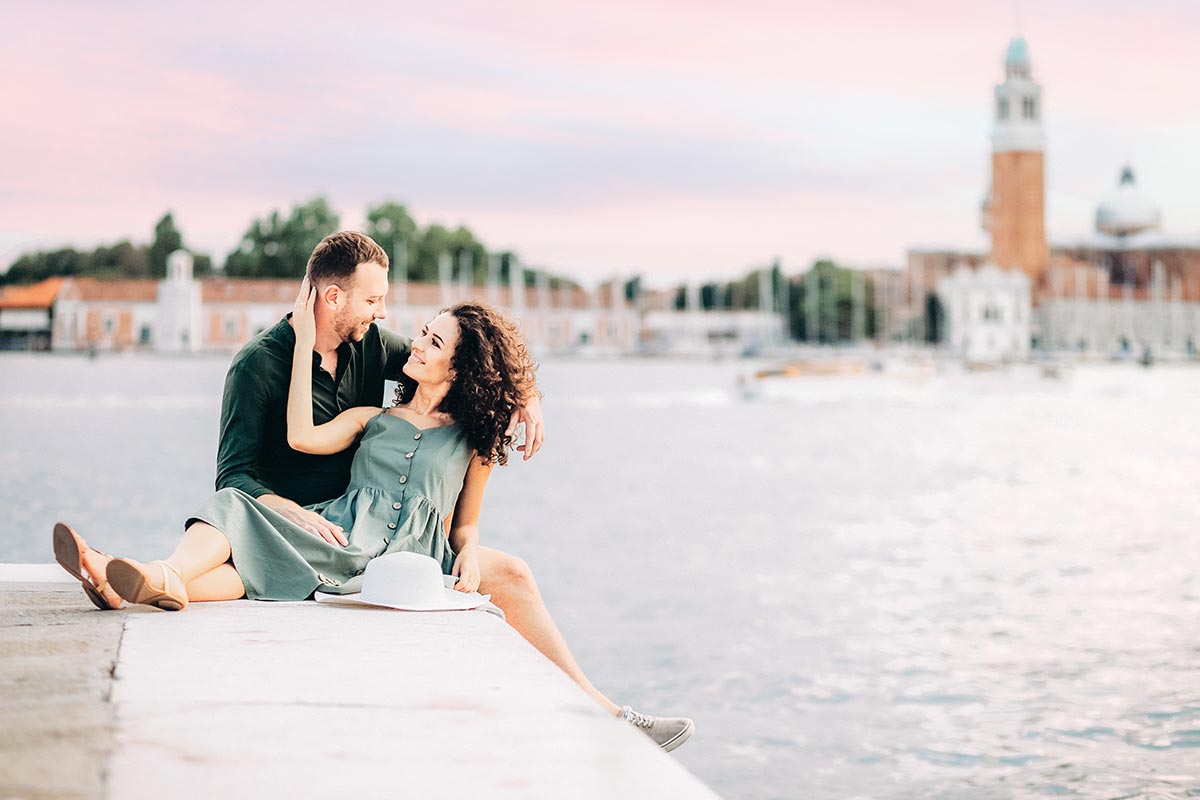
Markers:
(819, 305)
(278, 245)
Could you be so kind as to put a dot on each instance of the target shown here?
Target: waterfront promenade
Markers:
(267, 700)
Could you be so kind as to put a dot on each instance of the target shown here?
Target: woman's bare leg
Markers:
(510, 582)
(219, 583)
(201, 549)
(201, 557)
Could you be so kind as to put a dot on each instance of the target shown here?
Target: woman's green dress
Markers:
(404, 482)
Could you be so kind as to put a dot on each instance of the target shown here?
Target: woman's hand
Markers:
(304, 322)
(466, 569)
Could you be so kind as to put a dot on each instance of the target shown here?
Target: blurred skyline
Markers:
(668, 139)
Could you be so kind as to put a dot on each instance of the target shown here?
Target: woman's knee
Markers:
(514, 572)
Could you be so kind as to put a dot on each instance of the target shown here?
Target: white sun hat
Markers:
(408, 582)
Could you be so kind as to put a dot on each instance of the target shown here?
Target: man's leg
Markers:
(509, 581)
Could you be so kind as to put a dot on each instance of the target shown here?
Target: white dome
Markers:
(1127, 210)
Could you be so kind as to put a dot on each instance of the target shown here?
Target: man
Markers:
(351, 360)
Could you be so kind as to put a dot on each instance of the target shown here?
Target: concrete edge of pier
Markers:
(295, 699)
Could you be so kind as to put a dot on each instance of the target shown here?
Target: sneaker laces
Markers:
(641, 720)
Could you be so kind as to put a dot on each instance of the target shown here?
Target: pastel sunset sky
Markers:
(672, 139)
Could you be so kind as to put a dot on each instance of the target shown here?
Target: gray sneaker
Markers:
(667, 732)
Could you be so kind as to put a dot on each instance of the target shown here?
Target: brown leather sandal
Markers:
(134, 583)
(69, 547)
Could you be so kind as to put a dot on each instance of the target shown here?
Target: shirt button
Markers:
(392, 525)
(408, 455)
(396, 506)
(417, 436)
(404, 479)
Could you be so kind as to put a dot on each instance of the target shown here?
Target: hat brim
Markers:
(453, 601)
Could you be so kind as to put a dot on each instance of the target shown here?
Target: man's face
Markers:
(362, 303)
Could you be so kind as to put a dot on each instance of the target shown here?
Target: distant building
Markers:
(986, 314)
(27, 314)
(183, 314)
(91, 314)
(695, 330)
(1125, 287)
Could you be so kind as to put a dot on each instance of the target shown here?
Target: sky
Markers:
(677, 140)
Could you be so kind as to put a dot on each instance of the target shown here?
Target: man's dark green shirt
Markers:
(253, 454)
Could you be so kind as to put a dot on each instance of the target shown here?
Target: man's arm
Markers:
(243, 419)
(535, 428)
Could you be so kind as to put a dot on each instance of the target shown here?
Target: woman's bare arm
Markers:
(340, 432)
(464, 526)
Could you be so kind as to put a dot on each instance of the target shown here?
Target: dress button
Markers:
(404, 479)
(417, 436)
(396, 506)
(392, 525)
(408, 455)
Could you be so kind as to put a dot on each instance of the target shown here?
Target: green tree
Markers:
(390, 225)
(36, 266)
(120, 260)
(275, 247)
(633, 290)
(436, 240)
(835, 309)
(167, 239)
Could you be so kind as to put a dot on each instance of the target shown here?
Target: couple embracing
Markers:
(315, 480)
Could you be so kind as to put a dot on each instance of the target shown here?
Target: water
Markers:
(979, 586)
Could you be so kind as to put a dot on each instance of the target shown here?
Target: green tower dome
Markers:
(1018, 51)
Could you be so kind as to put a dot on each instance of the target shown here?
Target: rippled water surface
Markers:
(974, 586)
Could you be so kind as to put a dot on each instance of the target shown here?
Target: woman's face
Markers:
(429, 362)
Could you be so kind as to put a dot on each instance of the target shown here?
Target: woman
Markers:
(421, 464)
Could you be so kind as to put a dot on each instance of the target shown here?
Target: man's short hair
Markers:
(335, 258)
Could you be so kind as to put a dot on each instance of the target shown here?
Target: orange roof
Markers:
(139, 290)
(249, 290)
(36, 295)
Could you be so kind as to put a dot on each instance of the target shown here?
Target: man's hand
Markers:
(310, 521)
(535, 429)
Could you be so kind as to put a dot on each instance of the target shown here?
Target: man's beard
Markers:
(347, 329)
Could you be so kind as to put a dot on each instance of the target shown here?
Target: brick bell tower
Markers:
(1014, 213)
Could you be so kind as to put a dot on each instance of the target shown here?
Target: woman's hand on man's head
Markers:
(304, 321)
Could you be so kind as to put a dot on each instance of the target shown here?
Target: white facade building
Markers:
(708, 332)
(179, 306)
(987, 314)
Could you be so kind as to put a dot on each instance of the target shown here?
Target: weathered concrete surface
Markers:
(289, 700)
(57, 653)
(295, 700)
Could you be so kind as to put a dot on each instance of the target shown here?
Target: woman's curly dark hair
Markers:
(493, 375)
